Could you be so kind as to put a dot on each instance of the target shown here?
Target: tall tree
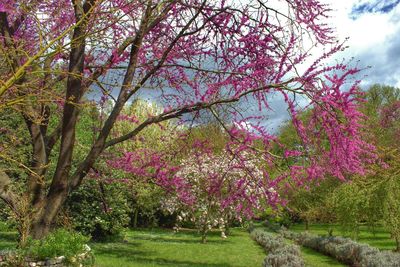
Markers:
(192, 54)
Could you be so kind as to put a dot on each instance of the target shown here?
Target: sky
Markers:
(373, 28)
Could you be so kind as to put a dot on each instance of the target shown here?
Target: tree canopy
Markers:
(191, 56)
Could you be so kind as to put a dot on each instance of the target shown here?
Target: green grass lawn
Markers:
(164, 248)
(381, 239)
(159, 247)
(313, 258)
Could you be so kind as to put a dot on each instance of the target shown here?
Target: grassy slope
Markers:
(381, 238)
(164, 248)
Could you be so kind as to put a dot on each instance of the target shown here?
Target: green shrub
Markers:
(58, 243)
(99, 210)
(145, 199)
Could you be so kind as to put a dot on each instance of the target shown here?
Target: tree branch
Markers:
(125, 93)
(175, 113)
(128, 41)
(20, 72)
(98, 146)
(52, 139)
(167, 51)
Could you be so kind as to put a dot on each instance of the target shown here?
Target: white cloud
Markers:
(373, 38)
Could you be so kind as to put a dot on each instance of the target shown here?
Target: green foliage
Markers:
(61, 242)
(99, 209)
(103, 206)
(282, 216)
(361, 200)
(289, 137)
(391, 210)
(145, 199)
(156, 136)
(354, 203)
(378, 96)
(310, 204)
(212, 133)
(86, 131)
(15, 148)
(142, 195)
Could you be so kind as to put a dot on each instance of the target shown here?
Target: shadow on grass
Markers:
(171, 239)
(187, 236)
(161, 261)
(121, 250)
(148, 261)
(132, 252)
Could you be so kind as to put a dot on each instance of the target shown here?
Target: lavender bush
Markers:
(279, 252)
(345, 250)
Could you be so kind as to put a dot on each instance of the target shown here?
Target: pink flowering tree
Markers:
(205, 185)
(216, 189)
(191, 55)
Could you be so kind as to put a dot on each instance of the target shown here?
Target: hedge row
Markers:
(279, 252)
(345, 250)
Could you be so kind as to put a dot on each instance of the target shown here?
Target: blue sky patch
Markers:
(377, 6)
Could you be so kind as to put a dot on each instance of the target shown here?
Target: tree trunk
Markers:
(203, 237)
(397, 244)
(59, 187)
(135, 218)
(40, 229)
(227, 229)
(204, 234)
(43, 221)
